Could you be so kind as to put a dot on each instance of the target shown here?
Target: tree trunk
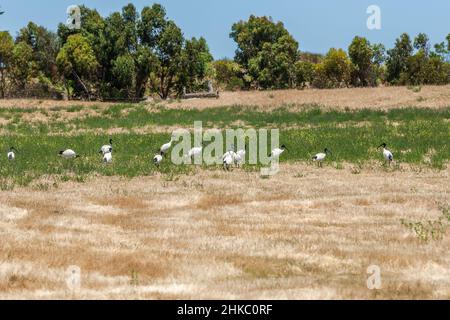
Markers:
(67, 89)
(3, 84)
(161, 86)
(82, 84)
(169, 85)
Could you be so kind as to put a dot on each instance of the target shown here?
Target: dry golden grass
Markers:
(354, 98)
(291, 236)
(49, 104)
(212, 201)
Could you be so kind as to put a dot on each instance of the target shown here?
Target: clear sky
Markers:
(316, 24)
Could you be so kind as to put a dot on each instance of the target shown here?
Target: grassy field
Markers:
(416, 136)
(139, 231)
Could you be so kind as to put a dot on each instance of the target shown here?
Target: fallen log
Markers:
(200, 95)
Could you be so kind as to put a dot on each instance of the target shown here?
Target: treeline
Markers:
(124, 56)
(131, 54)
(268, 57)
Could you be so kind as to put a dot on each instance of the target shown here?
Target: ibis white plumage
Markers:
(106, 148)
(166, 147)
(157, 159)
(107, 157)
(239, 157)
(321, 156)
(11, 154)
(193, 154)
(195, 151)
(68, 154)
(228, 159)
(388, 156)
(276, 153)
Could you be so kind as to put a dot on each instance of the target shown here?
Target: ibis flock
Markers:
(229, 159)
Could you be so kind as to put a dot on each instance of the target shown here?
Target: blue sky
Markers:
(316, 24)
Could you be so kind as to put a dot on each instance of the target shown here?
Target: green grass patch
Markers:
(416, 136)
(130, 116)
(138, 116)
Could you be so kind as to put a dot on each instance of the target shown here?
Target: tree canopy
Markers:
(266, 51)
(142, 51)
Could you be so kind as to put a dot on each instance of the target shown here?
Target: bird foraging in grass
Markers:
(228, 160)
(276, 153)
(68, 154)
(388, 156)
(166, 147)
(320, 157)
(239, 157)
(106, 148)
(195, 152)
(11, 154)
(158, 159)
(107, 157)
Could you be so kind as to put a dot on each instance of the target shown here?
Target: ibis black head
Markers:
(61, 152)
(382, 145)
(110, 141)
(327, 151)
(12, 149)
(283, 147)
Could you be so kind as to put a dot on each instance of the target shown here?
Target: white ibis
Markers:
(11, 154)
(165, 147)
(195, 151)
(158, 159)
(68, 154)
(239, 157)
(107, 157)
(321, 156)
(388, 156)
(106, 148)
(228, 160)
(276, 153)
